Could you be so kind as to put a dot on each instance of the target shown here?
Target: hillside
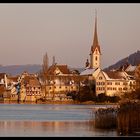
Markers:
(133, 59)
(18, 69)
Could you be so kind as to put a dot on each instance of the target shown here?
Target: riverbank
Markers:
(61, 102)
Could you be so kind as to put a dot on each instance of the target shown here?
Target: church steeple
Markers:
(95, 39)
(95, 48)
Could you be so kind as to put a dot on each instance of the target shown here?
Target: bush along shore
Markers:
(106, 118)
(125, 118)
(128, 118)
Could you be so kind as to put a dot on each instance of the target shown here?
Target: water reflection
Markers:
(52, 129)
(49, 120)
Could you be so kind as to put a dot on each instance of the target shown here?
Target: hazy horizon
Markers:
(28, 31)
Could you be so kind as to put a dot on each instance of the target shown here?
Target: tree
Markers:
(45, 67)
(45, 64)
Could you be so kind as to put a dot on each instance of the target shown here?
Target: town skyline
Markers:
(66, 32)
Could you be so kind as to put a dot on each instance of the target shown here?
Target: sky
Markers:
(29, 30)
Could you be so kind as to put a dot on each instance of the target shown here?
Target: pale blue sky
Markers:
(65, 31)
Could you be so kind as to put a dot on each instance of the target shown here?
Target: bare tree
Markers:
(53, 61)
(45, 64)
(45, 67)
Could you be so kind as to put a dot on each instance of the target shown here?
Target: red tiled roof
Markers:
(13, 78)
(116, 74)
(63, 68)
(32, 81)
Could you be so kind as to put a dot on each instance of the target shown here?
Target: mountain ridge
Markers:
(18, 69)
(31, 68)
(133, 59)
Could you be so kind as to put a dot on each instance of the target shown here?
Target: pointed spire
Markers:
(95, 39)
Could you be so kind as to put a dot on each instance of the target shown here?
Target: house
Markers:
(114, 83)
(2, 91)
(12, 82)
(30, 88)
(59, 81)
(3, 79)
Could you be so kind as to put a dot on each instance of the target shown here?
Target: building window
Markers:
(114, 88)
(117, 83)
(96, 52)
(124, 88)
(110, 88)
(124, 83)
(96, 58)
(109, 83)
(100, 78)
(120, 88)
(103, 83)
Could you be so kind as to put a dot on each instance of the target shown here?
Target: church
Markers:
(112, 83)
(93, 67)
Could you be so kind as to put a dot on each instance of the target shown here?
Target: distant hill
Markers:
(133, 59)
(18, 69)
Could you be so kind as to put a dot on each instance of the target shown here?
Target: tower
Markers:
(95, 53)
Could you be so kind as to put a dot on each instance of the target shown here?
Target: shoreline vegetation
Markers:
(125, 118)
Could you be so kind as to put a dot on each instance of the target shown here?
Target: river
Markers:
(47, 120)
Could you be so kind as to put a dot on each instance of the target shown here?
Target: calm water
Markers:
(49, 120)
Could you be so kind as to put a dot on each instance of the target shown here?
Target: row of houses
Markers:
(20, 88)
(32, 87)
(59, 81)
